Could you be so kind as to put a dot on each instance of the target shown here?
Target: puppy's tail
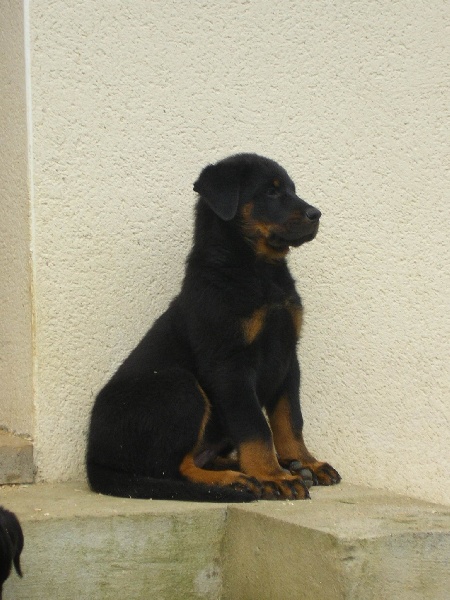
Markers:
(129, 485)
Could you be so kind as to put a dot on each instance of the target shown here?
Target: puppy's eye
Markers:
(274, 188)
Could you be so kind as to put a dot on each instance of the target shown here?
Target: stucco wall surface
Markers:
(131, 99)
(16, 412)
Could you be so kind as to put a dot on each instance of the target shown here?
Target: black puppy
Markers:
(11, 545)
(183, 416)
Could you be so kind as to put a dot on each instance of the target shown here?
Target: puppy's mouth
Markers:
(284, 239)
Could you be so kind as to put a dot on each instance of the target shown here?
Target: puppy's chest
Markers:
(276, 322)
(271, 327)
(271, 334)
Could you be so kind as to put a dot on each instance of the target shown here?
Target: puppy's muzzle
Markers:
(297, 230)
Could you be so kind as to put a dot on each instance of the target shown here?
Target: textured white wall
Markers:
(16, 409)
(131, 99)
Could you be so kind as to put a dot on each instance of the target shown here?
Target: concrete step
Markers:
(83, 546)
(16, 459)
(347, 543)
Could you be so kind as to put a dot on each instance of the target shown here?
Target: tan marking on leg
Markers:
(323, 473)
(287, 444)
(206, 416)
(189, 469)
(253, 325)
(305, 454)
(222, 463)
(258, 458)
(291, 446)
(196, 474)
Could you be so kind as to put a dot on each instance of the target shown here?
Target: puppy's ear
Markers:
(219, 186)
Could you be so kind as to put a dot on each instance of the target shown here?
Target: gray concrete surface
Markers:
(16, 459)
(83, 546)
(347, 543)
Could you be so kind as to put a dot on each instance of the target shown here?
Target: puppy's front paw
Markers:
(244, 483)
(286, 487)
(296, 468)
(323, 473)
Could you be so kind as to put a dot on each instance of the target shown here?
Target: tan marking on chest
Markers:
(253, 325)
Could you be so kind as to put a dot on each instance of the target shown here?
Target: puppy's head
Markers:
(11, 544)
(259, 196)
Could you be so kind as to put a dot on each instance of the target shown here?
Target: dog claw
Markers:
(295, 465)
(308, 477)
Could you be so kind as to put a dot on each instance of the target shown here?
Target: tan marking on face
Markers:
(246, 212)
(262, 248)
(254, 324)
(251, 225)
(257, 233)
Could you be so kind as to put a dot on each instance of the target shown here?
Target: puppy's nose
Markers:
(313, 214)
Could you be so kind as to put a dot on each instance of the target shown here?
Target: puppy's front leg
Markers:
(286, 422)
(233, 392)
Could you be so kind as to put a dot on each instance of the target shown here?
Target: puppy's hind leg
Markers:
(144, 436)
(228, 483)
